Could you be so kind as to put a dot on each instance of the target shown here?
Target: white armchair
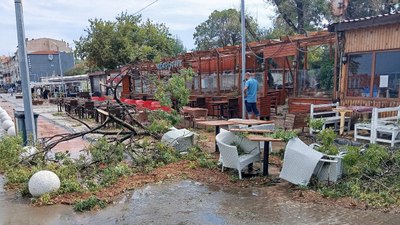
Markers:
(229, 155)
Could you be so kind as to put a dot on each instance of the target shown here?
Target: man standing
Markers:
(250, 90)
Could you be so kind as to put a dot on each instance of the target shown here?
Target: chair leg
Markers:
(222, 169)
(240, 174)
(393, 138)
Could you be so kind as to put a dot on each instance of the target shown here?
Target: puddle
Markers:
(188, 202)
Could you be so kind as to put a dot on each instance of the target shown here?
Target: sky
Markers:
(67, 19)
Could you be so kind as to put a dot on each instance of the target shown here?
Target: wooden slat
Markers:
(262, 138)
(251, 131)
(373, 39)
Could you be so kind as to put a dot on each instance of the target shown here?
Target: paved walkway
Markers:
(49, 123)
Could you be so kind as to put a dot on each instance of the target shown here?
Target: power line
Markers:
(137, 12)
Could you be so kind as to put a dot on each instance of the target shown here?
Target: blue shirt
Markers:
(252, 88)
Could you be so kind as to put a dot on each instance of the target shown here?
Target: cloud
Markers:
(61, 19)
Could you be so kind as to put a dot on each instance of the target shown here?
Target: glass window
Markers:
(315, 78)
(359, 75)
(228, 81)
(387, 74)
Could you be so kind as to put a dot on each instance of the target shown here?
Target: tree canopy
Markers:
(362, 8)
(299, 16)
(222, 28)
(108, 44)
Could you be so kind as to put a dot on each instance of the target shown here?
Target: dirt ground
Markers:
(48, 126)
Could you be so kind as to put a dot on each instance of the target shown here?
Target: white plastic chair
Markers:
(330, 167)
(229, 156)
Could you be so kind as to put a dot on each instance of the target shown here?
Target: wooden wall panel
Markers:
(302, 105)
(372, 39)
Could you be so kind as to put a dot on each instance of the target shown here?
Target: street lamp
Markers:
(59, 63)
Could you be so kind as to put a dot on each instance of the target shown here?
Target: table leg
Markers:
(266, 158)
(342, 114)
(216, 133)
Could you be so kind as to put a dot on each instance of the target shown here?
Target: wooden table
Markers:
(220, 104)
(343, 110)
(238, 130)
(266, 141)
(251, 122)
(216, 124)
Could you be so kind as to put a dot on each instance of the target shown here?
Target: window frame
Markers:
(373, 69)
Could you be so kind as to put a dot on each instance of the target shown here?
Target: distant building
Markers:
(48, 58)
(9, 71)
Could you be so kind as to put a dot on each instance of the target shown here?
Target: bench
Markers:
(384, 126)
(326, 112)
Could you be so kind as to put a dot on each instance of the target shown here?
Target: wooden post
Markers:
(335, 74)
(201, 92)
(296, 69)
(234, 70)
(266, 71)
(284, 75)
(218, 75)
(372, 74)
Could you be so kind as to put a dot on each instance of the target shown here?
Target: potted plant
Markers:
(316, 124)
(332, 168)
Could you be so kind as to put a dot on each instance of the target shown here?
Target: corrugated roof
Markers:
(379, 20)
(370, 17)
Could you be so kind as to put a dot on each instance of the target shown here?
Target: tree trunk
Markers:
(300, 16)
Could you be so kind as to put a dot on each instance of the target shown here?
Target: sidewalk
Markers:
(48, 125)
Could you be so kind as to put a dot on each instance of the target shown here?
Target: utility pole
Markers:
(23, 68)
(243, 57)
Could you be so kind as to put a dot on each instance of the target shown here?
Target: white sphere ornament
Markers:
(43, 182)
(7, 124)
(3, 114)
(11, 131)
(5, 119)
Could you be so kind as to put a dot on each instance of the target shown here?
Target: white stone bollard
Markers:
(11, 131)
(43, 182)
(7, 124)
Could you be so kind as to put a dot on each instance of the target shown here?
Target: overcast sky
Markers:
(67, 19)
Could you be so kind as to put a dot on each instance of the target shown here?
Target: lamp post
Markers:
(243, 57)
(23, 67)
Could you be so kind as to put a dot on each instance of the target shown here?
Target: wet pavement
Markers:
(188, 202)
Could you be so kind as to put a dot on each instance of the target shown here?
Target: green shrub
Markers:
(10, 150)
(18, 175)
(285, 135)
(326, 138)
(103, 152)
(89, 204)
(316, 124)
(111, 175)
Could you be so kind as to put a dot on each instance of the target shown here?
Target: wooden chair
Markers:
(232, 108)
(89, 109)
(274, 101)
(199, 115)
(215, 107)
(200, 102)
